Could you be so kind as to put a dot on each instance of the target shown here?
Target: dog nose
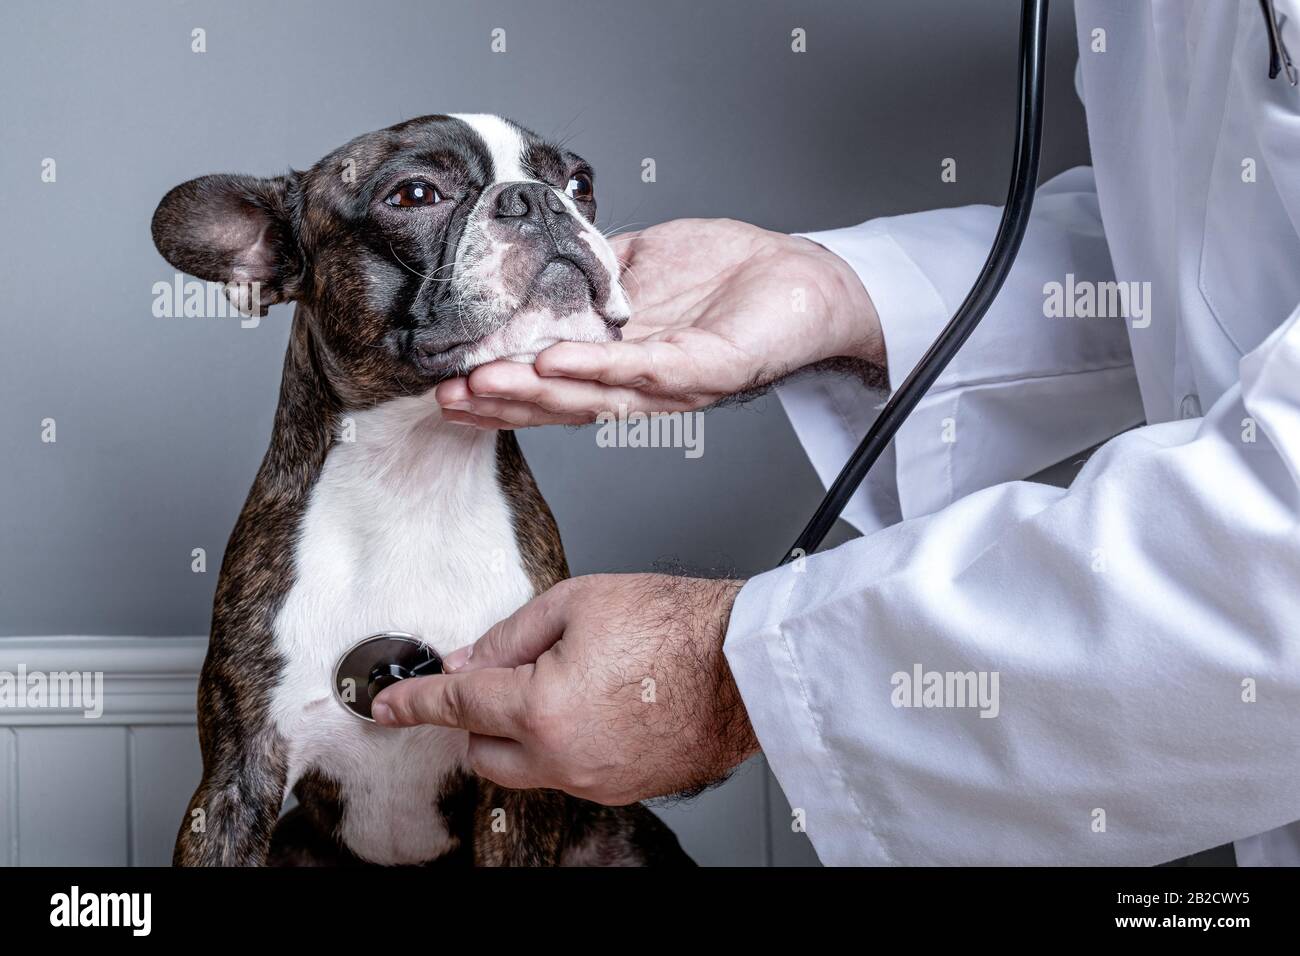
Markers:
(527, 201)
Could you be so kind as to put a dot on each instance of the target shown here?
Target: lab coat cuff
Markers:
(910, 311)
(767, 674)
(910, 308)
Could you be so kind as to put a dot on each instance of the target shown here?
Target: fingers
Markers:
(454, 395)
(499, 414)
(524, 414)
(511, 395)
(514, 395)
(562, 396)
(502, 761)
(452, 390)
(519, 639)
(477, 421)
(489, 701)
(634, 364)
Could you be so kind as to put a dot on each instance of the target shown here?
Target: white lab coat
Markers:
(1145, 623)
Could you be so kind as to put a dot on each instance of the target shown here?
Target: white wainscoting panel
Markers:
(111, 791)
(72, 796)
(165, 768)
(107, 790)
(8, 798)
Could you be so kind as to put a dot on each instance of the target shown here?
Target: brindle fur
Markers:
(316, 249)
(231, 820)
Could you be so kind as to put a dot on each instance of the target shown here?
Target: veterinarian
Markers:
(998, 671)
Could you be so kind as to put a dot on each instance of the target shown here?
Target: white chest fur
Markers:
(405, 530)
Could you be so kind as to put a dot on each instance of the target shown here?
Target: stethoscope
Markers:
(380, 660)
(1011, 230)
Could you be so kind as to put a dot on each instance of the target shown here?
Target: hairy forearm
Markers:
(714, 731)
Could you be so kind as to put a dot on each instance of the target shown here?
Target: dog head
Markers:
(415, 253)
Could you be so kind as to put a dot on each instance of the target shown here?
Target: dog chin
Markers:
(532, 330)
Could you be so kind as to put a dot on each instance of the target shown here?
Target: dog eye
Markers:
(413, 194)
(579, 186)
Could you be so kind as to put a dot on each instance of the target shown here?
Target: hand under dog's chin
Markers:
(531, 330)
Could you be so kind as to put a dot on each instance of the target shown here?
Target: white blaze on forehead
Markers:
(504, 142)
(479, 279)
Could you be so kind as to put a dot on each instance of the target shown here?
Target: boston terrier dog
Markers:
(413, 254)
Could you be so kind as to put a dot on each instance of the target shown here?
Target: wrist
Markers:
(735, 732)
(851, 316)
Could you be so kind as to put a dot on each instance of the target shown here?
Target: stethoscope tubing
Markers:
(1011, 232)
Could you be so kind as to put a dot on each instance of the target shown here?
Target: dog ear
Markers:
(237, 230)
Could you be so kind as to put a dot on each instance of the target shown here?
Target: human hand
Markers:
(610, 687)
(719, 307)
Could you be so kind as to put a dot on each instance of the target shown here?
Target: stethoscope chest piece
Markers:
(379, 661)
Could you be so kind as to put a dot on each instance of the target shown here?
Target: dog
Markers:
(413, 254)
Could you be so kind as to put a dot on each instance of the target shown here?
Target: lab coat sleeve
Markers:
(1141, 627)
(1009, 403)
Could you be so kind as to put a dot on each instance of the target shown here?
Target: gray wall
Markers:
(161, 422)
